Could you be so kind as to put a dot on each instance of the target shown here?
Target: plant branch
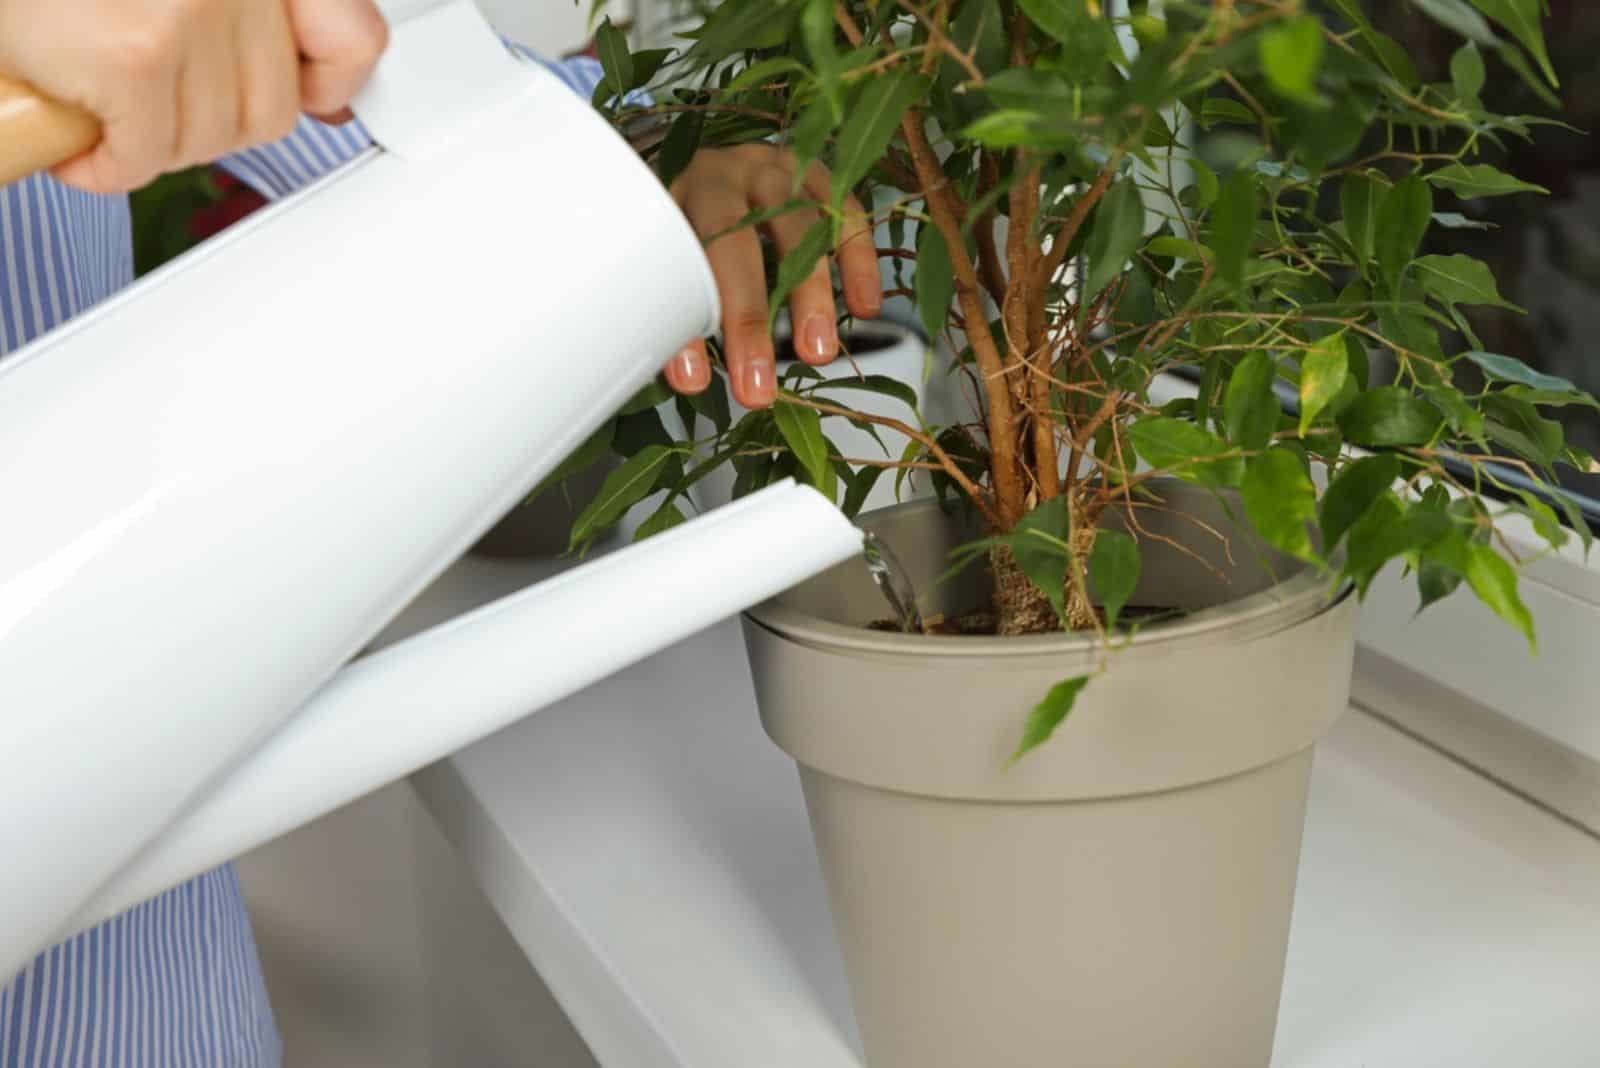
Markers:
(947, 212)
(1051, 264)
(946, 463)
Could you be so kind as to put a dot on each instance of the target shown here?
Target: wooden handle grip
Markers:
(36, 133)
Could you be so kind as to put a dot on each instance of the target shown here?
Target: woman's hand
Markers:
(180, 82)
(720, 187)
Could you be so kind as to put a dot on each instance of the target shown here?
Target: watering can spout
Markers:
(222, 484)
(414, 702)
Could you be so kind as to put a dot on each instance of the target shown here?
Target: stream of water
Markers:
(893, 582)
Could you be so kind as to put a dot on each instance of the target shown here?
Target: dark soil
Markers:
(982, 621)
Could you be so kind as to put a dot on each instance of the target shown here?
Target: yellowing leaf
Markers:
(1322, 376)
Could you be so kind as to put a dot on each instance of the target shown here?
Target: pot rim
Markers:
(1298, 598)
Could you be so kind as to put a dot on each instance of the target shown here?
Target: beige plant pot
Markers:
(1121, 897)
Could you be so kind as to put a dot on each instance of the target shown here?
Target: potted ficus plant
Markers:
(1088, 203)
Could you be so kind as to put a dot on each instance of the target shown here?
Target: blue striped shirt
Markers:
(175, 981)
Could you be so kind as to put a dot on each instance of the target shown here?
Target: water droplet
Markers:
(891, 578)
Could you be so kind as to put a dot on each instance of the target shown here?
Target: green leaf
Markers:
(817, 28)
(1522, 19)
(1039, 543)
(1492, 579)
(1049, 713)
(1518, 426)
(1467, 72)
(1182, 447)
(1251, 408)
(1114, 567)
(680, 145)
(1353, 492)
(1387, 50)
(1011, 128)
(880, 384)
(1030, 90)
(612, 46)
(1223, 109)
(1389, 416)
(1435, 582)
(860, 485)
(1062, 19)
(1386, 531)
(801, 428)
(1511, 369)
(798, 264)
(1480, 180)
(1177, 248)
(639, 429)
(870, 126)
(810, 131)
(650, 396)
(1291, 53)
(1233, 223)
(1323, 374)
(1544, 519)
(661, 520)
(935, 280)
(1281, 501)
(1360, 196)
(593, 448)
(623, 488)
(1460, 280)
(1454, 220)
(1402, 221)
(712, 404)
(762, 72)
(1118, 226)
(1519, 64)
(1556, 399)
(1459, 413)
(1456, 15)
(1206, 186)
(647, 63)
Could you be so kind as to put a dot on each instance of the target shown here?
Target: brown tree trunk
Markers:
(1022, 608)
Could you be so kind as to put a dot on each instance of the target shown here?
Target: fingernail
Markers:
(691, 369)
(868, 298)
(819, 338)
(757, 377)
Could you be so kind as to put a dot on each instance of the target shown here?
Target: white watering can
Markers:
(219, 486)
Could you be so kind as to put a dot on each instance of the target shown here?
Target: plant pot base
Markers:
(1022, 936)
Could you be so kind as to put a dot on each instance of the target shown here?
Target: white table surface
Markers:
(648, 848)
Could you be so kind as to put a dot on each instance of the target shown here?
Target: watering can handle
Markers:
(36, 133)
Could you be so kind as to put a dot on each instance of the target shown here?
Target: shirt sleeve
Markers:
(315, 148)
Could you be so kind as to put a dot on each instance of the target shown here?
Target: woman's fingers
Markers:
(178, 82)
(715, 208)
(138, 125)
(857, 254)
(690, 370)
(340, 42)
(269, 84)
(811, 309)
(208, 90)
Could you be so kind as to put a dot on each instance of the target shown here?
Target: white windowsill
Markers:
(648, 849)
